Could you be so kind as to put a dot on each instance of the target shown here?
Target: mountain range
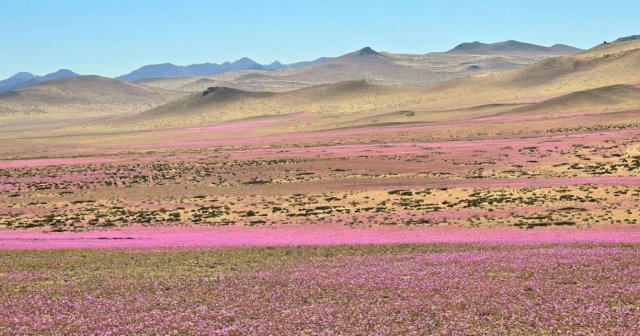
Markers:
(508, 48)
(208, 69)
(25, 79)
(366, 63)
(512, 47)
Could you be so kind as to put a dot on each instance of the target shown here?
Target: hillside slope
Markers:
(604, 65)
(220, 104)
(83, 95)
(609, 98)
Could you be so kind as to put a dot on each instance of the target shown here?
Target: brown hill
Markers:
(83, 95)
(220, 103)
(608, 98)
(604, 65)
(212, 99)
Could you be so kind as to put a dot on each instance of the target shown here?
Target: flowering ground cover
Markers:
(572, 178)
(444, 289)
(401, 222)
(328, 233)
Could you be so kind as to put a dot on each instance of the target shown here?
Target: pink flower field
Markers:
(311, 234)
(442, 289)
(321, 279)
(186, 182)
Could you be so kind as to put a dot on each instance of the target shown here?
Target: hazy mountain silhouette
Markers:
(22, 80)
(628, 38)
(279, 66)
(366, 63)
(512, 47)
(208, 69)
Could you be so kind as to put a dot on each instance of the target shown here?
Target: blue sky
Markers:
(113, 37)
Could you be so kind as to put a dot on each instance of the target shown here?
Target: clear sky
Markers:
(113, 37)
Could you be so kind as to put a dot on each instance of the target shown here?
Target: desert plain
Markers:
(504, 202)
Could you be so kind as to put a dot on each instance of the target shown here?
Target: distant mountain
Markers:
(208, 69)
(367, 51)
(366, 63)
(279, 66)
(62, 73)
(256, 67)
(628, 38)
(381, 67)
(19, 77)
(512, 48)
(274, 66)
(563, 49)
(19, 85)
(305, 63)
(22, 80)
(171, 70)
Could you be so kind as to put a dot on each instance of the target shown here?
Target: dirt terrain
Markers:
(519, 149)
